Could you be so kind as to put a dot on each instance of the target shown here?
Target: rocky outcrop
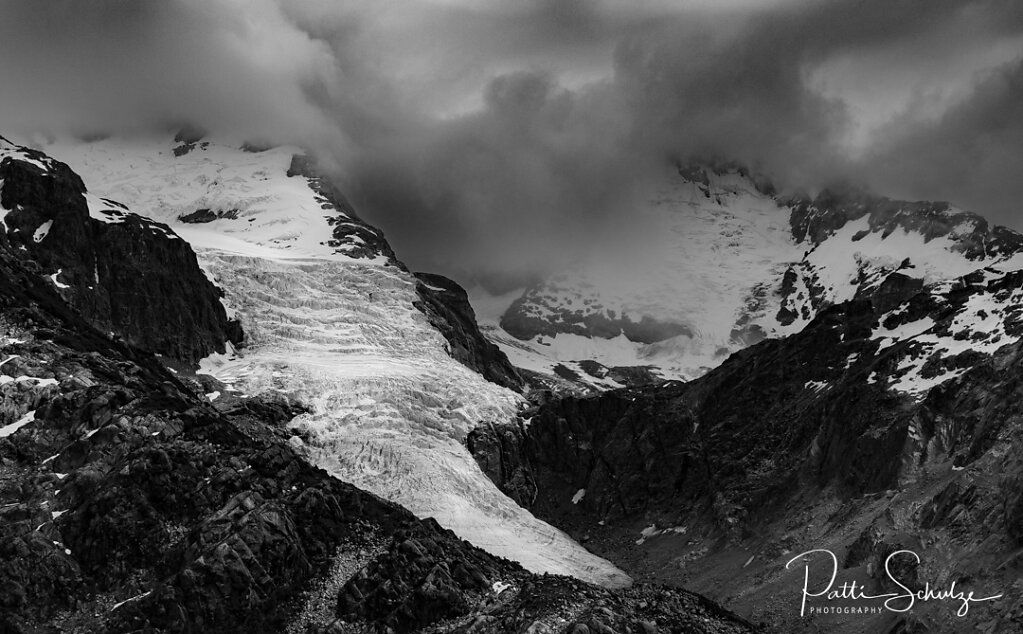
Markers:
(202, 216)
(533, 314)
(446, 305)
(351, 235)
(892, 290)
(422, 580)
(498, 449)
(127, 275)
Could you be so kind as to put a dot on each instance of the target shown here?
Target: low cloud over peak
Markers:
(493, 138)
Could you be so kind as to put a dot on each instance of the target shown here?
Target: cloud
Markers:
(972, 154)
(494, 139)
(111, 65)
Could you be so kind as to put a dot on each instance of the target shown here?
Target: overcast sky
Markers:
(493, 136)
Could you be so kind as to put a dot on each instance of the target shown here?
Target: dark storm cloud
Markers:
(494, 137)
(538, 164)
(113, 65)
(972, 155)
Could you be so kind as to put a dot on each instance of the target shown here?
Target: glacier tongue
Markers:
(390, 408)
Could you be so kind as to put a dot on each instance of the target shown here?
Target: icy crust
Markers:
(390, 408)
(727, 263)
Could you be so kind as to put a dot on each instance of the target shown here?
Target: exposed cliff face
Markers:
(446, 305)
(883, 425)
(127, 275)
(129, 502)
(500, 452)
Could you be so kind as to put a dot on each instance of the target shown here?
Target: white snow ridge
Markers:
(390, 408)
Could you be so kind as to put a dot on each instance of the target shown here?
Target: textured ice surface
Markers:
(390, 408)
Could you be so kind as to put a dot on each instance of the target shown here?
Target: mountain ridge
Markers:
(732, 262)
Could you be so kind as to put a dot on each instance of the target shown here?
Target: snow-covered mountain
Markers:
(333, 319)
(876, 371)
(723, 262)
(864, 398)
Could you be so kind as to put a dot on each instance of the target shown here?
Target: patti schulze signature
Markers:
(894, 601)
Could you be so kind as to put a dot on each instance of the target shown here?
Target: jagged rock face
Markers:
(814, 220)
(499, 452)
(126, 274)
(903, 414)
(446, 305)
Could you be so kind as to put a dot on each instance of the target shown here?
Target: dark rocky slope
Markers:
(124, 273)
(800, 443)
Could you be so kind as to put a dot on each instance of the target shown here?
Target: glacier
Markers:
(389, 408)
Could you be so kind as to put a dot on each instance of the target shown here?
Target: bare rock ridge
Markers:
(446, 305)
(131, 503)
(359, 238)
(813, 219)
(126, 274)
